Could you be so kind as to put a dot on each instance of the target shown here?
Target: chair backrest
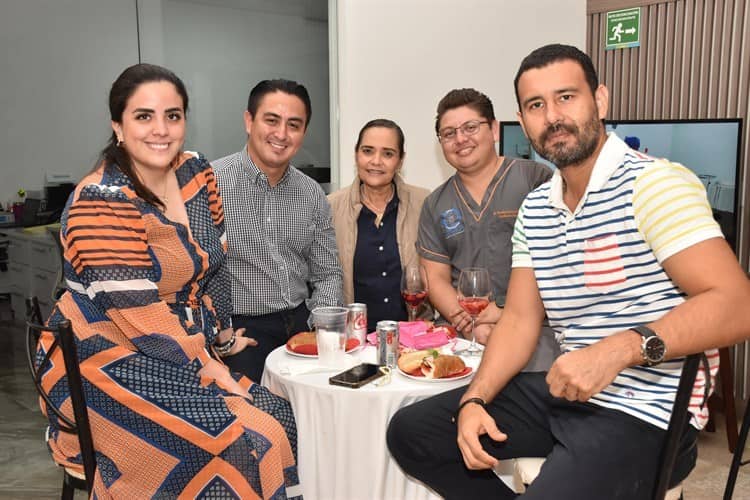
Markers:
(64, 340)
(60, 286)
(677, 423)
(33, 311)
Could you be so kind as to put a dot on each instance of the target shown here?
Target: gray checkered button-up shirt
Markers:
(280, 239)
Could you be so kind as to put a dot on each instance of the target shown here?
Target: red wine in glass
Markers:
(474, 305)
(414, 299)
(474, 290)
(413, 288)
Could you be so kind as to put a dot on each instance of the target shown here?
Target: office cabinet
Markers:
(34, 268)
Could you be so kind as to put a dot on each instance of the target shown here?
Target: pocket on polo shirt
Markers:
(603, 269)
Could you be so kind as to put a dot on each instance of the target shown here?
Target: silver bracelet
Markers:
(224, 348)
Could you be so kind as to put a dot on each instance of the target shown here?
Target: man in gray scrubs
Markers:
(468, 221)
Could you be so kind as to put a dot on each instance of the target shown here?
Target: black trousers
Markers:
(592, 452)
(271, 331)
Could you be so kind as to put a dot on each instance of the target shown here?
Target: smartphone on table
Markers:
(357, 376)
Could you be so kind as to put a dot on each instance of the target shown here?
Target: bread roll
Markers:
(442, 366)
(409, 362)
(303, 343)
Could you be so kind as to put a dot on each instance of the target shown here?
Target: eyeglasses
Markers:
(468, 128)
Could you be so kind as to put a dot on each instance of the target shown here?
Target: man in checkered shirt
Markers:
(282, 254)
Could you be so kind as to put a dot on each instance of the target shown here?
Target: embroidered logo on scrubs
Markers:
(505, 214)
(452, 222)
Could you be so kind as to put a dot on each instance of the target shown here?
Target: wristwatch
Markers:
(500, 301)
(653, 348)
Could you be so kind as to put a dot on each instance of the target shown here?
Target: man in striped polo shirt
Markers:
(621, 253)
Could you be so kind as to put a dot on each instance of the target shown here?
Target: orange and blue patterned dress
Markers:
(146, 297)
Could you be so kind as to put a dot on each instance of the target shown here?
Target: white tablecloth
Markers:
(342, 449)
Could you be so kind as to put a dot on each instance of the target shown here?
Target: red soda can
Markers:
(358, 322)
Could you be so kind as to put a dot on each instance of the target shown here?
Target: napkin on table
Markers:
(416, 335)
(299, 367)
(303, 369)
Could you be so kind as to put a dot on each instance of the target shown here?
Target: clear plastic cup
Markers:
(330, 334)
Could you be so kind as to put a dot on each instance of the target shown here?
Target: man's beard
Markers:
(561, 155)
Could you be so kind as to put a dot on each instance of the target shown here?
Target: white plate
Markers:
(447, 379)
(451, 348)
(315, 356)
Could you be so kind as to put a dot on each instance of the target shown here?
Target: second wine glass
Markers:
(414, 288)
(474, 291)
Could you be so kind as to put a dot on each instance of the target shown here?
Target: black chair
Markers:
(60, 285)
(677, 423)
(5, 292)
(526, 469)
(64, 340)
(737, 458)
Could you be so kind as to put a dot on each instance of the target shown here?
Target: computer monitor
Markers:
(710, 148)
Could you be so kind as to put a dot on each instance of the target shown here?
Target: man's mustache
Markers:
(557, 127)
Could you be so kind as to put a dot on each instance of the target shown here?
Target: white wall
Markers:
(398, 58)
(58, 60)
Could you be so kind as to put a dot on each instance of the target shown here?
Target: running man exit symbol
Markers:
(623, 28)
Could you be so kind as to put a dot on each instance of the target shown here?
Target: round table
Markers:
(341, 431)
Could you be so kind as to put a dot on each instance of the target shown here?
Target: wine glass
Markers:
(474, 296)
(413, 288)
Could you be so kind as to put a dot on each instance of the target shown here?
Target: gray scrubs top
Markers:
(454, 230)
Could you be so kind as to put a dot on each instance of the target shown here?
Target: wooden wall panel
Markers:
(693, 62)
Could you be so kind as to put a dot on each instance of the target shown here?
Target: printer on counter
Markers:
(39, 211)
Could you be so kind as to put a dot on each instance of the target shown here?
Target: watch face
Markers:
(654, 349)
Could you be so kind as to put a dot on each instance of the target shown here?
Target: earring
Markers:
(120, 142)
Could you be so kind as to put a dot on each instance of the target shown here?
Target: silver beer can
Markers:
(387, 343)
(358, 322)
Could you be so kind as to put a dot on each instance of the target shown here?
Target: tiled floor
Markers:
(26, 470)
(708, 479)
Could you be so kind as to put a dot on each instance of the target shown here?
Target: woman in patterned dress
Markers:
(149, 300)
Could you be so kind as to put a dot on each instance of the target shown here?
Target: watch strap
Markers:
(645, 331)
(478, 401)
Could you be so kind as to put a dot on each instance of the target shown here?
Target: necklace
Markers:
(368, 201)
(164, 197)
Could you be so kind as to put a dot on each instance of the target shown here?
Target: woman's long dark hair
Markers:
(122, 89)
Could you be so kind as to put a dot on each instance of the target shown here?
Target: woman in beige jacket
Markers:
(376, 223)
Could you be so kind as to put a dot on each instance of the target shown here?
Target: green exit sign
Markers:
(623, 28)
